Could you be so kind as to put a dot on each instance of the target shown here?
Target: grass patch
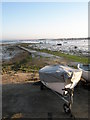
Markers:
(25, 65)
(75, 58)
(21, 65)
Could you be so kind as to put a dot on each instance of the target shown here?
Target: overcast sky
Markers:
(27, 20)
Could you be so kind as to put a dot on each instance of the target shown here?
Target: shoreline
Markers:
(58, 54)
(71, 45)
(28, 61)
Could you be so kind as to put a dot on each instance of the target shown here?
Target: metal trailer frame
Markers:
(68, 98)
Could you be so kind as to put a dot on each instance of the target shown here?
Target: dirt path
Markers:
(43, 54)
(19, 77)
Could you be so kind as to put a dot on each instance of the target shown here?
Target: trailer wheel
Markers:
(66, 108)
(41, 87)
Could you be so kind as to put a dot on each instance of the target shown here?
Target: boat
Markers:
(61, 80)
(85, 71)
(59, 44)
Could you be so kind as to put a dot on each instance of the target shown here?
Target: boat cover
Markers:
(59, 73)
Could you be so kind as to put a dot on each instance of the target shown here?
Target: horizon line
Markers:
(50, 38)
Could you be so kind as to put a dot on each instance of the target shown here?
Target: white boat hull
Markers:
(55, 86)
(85, 74)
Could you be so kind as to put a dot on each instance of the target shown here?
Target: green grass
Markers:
(22, 65)
(75, 58)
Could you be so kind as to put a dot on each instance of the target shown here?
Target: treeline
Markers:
(73, 38)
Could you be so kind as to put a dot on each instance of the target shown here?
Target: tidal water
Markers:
(78, 47)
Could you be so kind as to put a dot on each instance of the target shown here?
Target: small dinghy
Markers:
(61, 80)
(85, 71)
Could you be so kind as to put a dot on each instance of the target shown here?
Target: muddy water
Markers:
(77, 47)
